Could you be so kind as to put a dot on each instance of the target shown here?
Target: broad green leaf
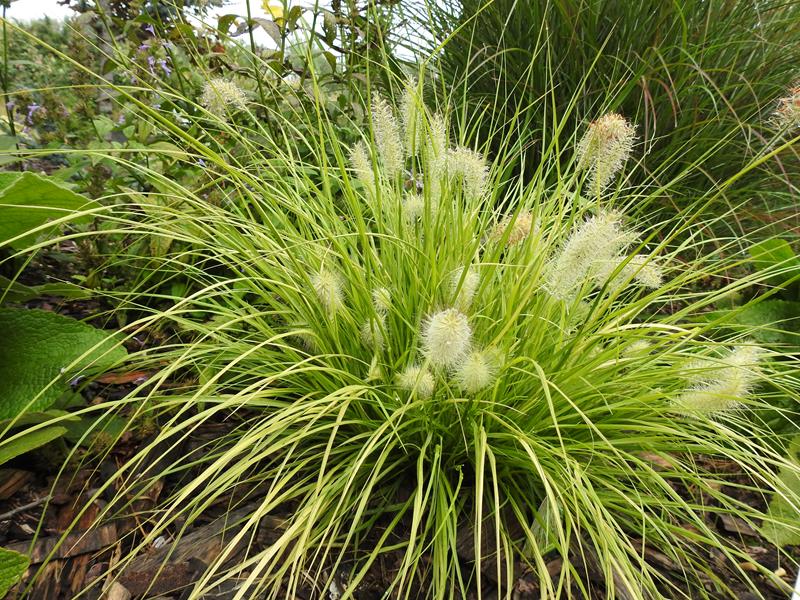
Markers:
(37, 418)
(28, 201)
(12, 568)
(37, 351)
(780, 509)
(8, 145)
(224, 23)
(271, 28)
(776, 254)
(29, 441)
(773, 321)
(14, 291)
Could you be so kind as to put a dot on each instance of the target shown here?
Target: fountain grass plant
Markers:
(411, 377)
(699, 77)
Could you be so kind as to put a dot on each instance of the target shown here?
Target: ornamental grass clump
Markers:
(453, 400)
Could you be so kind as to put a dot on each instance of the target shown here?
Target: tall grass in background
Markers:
(409, 374)
(699, 78)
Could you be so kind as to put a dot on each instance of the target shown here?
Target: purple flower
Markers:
(10, 105)
(151, 62)
(143, 48)
(165, 67)
(201, 162)
(150, 30)
(121, 120)
(32, 108)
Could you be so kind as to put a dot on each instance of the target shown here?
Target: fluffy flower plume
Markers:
(722, 385)
(328, 288)
(362, 166)
(382, 300)
(787, 115)
(387, 137)
(514, 228)
(302, 333)
(470, 167)
(640, 269)
(372, 333)
(436, 142)
(413, 208)
(463, 287)
(220, 95)
(437, 138)
(476, 372)
(446, 338)
(605, 147)
(417, 380)
(590, 248)
(412, 114)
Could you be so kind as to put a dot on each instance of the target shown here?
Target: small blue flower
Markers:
(32, 108)
(165, 67)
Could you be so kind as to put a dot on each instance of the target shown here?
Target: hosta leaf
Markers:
(37, 350)
(28, 201)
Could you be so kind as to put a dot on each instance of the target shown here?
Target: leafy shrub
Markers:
(42, 352)
(412, 373)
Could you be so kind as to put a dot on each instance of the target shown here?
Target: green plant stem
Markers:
(6, 83)
(254, 58)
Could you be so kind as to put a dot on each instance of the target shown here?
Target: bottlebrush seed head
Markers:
(412, 116)
(470, 167)
(605, 147)
(382, 300)
(413, 208)
(220, 94)
(387, 137)
(516, 228)
(723, 387)
(372, 333)
(417, 380)
(362, 166)
(463, 287)
(446, 338)
(589, 250)
(476, 372)
(328, 288)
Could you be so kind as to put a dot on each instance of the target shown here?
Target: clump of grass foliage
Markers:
(699, 78)
(407, 371)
